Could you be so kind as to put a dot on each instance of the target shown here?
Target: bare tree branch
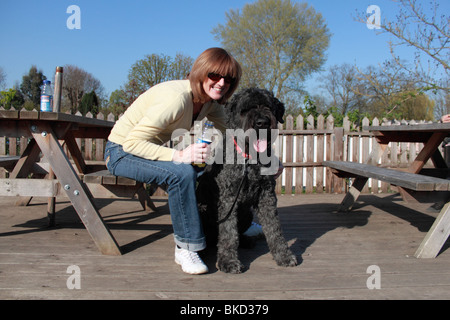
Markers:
(428, 32)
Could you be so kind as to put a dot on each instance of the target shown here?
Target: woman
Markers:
(135, 146)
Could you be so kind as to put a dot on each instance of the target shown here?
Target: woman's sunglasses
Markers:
(216, 77)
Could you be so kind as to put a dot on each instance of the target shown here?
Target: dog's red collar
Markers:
(239, 150)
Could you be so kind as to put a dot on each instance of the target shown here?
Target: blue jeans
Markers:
(181, 182)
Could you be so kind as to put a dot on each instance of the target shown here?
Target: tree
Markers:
(391, 92)
(428, 32)
(89, 103)
(76, 83)
(117, 102)
(414, 106)
(2, 79)
(385, 90)
(13, 98)
(180, 66)
(6, 98)
(154, 69)
(31, 85)
(151, 70)
(339, 83)
(278, 43)
(442, 106)
(131, 91)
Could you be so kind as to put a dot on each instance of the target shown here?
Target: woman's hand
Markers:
(445, 118)
(194, 153)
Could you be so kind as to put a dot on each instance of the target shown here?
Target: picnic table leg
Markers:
(144, 198)
(436, 236)
(359, 182)
(51, 203)
(76, 191)
(352, 194)
(23, 167)
(428, 150)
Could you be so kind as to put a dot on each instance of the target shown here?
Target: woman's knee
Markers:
(184, 173)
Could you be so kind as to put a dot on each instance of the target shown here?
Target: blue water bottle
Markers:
(47, 97)
(207, 133)
(206, 137)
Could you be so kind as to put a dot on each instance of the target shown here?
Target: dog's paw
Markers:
(232, 266)
(286, 260)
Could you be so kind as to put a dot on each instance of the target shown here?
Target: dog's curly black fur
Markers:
(220, 183)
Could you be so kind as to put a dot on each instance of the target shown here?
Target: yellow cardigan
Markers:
(150, 120)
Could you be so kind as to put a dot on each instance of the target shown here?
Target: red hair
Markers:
(214, 60)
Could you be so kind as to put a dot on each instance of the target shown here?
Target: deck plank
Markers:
(334, 251)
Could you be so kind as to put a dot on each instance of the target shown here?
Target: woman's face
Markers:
(215, 88)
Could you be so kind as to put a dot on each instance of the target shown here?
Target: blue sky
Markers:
(115, 34)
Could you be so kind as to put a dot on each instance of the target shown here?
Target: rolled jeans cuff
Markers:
(190, 245)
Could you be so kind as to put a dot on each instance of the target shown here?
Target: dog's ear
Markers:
(276, 105)
(279, 110)
(231, 108)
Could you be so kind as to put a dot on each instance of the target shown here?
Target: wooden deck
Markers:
(334, 250)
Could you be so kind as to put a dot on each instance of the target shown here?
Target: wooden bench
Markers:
(8, 161)
(416, 182)
(101, 183)
(439, 231)
(362, 172)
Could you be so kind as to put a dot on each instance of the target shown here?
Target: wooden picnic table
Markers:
(411, 181)
(47, 131)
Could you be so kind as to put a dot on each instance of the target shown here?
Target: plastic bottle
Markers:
(207, 133)
(47, 97)
(206, 137)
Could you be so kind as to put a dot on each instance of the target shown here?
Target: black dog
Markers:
(228, 189)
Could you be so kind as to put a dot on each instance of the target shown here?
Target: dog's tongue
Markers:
(260, 145)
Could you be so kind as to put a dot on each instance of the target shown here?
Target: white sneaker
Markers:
(255, 230)
(189, 261)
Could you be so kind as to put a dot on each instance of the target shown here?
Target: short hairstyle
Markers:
(213, 60)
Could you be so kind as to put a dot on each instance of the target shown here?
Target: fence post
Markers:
(278, 186)
(299, 156)
(289, 156)
(88, 142)
(320, 153)
(365, 153)
(2, 152)
(329, 154)
(338, 137)
(309, 183)
(99, 143)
